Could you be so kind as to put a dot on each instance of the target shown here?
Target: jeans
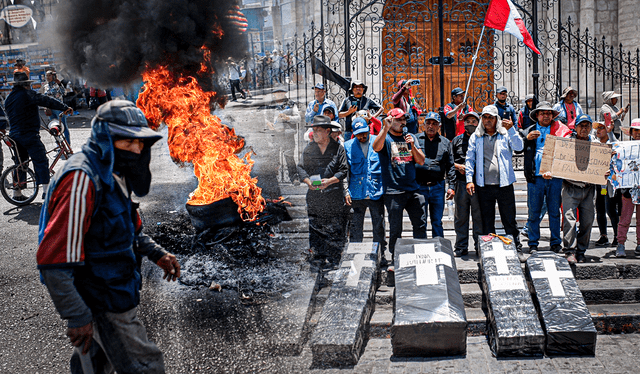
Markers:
(577, 199)
(413, 203)
(625, 220)
(434, 201)
(376, 209)
(551, 190)
(30, 145)
(464, 204)
(506, 199)
(119, 344)
(54, 115)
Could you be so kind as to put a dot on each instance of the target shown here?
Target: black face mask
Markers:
(135, 168)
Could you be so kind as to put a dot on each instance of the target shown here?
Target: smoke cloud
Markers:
(110, 43)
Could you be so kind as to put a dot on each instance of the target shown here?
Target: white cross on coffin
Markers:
(355, 267)
(554, 277)
(500, 254)
(426, 261)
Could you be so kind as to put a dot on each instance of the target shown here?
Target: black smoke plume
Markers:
(111, 42)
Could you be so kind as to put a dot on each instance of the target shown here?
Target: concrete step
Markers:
(607, 318)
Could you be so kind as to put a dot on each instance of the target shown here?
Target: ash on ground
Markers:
(236, 257)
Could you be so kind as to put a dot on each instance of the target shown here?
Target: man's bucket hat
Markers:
(542, 106)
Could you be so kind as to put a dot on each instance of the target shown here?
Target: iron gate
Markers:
(381, 42)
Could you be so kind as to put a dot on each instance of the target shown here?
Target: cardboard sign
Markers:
(625, 165)
(577, 160)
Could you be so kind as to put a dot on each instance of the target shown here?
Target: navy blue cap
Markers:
(457, 91)
(583, 118)
(434, 116)
(359, 126)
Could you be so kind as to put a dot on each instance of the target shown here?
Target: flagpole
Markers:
(473, 64)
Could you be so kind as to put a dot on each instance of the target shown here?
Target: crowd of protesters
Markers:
(412, 161)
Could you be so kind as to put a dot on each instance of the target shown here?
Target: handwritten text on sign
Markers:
(573, 159)
(625, 165)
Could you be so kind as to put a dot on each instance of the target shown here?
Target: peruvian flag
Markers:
(502, 15)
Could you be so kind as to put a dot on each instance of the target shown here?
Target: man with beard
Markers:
(355, 102)
(91, 244)
(506, 111)
(465, 203)
(323, 167)
(489, 167)
(437, 168)
(540, 189)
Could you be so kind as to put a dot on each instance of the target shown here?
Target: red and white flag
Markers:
(502, 15)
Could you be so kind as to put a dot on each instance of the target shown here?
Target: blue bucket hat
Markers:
(359, 126)
(432, 115)
(583, 118)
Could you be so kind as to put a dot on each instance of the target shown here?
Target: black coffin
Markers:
(429, 317)
(563, 312)
(342, 327)
(514, 328)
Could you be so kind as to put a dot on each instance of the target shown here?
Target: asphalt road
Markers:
(199, 330)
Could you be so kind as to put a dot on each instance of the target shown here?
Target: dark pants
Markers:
(376, 209)
(466, 203)
(613, 205)
(327, 222)
(505, 197)
(413, 203)
(30, 145)
(434, 206)
(549, 190)
(235, 86)
(119, 343)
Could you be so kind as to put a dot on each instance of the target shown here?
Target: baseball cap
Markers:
(501, 89)
(433, 116)
(359, 126)
(583, 118)
(491, 110)
(126, 120)
(397, 113)
(457, 91)
(470, 114)
(319, 86)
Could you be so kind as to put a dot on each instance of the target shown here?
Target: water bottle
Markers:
(450, 208)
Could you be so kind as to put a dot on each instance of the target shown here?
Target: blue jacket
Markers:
(108, 279)
(365, 174)
(507, 142)
(21, 107)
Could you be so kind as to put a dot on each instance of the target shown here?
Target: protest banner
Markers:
(625, 171)
(574, 159)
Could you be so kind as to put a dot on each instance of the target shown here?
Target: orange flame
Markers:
(198, 137)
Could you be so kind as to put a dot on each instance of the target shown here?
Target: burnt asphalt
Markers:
(201, 331)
